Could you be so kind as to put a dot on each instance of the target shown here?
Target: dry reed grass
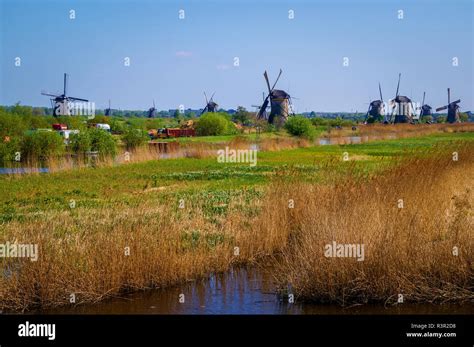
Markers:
(408, 250)
(83, 252)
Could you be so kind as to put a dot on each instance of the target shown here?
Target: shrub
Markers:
(133, 138)
(102, 142)
(93, 140)
(80, 143)
(214, 124)
(42, 145)
(8, 149)
(300, 126)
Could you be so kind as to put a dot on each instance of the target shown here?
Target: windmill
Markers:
(376, 111)
(108, 111)
(453, 109)
(425, 110)
(211, 106)
(152, 111)
(257, 107)
(60, 102)
(279, 103)
(403, 107)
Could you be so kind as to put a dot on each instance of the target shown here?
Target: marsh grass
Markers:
(408, 250)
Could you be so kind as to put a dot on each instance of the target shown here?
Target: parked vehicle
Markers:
(58, 126)
(103, 126)
(171, 132)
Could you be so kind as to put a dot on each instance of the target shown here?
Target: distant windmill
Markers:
(280, 104)
(453, 109)
(425, 109)
(211, 106)
(259, 106)
(60, 102)
(376, 111)
(403, 105)
(108, 111)
(152, 110)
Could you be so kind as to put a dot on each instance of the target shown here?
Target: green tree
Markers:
(463, 117)
(242, 116)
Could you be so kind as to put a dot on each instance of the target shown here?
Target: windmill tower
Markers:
(376, 111)
(211, 106)
(60, 102)
(425, 109)
(152, 111)
(108, 111)
(402, 107)
(453, 109)
(280, 102)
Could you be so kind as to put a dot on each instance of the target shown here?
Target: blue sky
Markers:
(173, 61)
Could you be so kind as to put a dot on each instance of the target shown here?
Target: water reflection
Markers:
(240, 291)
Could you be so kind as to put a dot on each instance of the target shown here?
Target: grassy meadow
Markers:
(151, 223)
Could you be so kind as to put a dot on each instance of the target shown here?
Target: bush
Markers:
(210, 124)
(117, 126)
(42, 145)
(11, 124)
(300, 126)
(8, 149)
(133, 138)
(80, 143)
(102, 142)
(95, 140)
(319, 121)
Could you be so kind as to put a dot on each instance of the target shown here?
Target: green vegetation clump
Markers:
(300, 126)
(215, 124)
(133, 138)
(338, 121)
(42, 145)
(95, 140)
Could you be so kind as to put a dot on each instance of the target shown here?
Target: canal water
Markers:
(175, 151)
(239, 291)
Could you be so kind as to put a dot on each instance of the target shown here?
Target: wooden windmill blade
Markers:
(274, 84)
(265, 75)
(398, 85)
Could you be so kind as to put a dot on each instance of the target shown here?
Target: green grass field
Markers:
(153, 180)
(80, 218)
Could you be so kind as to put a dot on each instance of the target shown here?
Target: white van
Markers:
(103, 126)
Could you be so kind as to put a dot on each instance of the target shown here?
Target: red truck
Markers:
(171, 132)
(177, 132)
(58, 126)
